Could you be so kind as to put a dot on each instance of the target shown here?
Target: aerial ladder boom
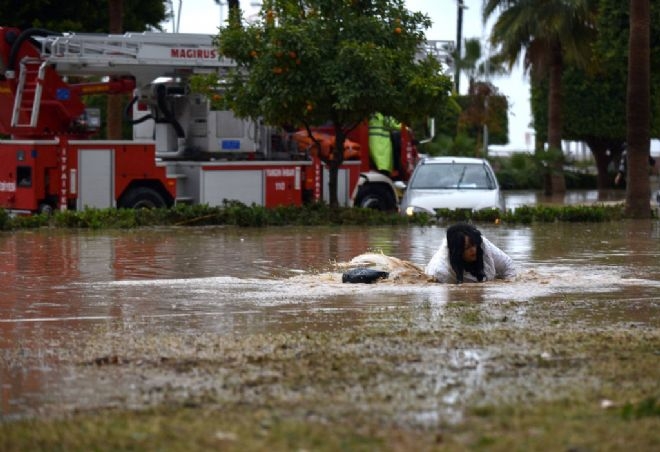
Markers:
(145, 56)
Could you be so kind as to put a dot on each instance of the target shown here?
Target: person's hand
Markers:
(617, 179)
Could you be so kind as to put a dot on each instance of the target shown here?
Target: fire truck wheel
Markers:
(142, 198)
(376, 197)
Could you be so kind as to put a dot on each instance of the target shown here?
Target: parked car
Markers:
(452, 183)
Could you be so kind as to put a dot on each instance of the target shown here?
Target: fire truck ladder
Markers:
(145, 56)
(29, 88)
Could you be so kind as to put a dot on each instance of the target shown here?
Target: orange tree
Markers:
(311, 62)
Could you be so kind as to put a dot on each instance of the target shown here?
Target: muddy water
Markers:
(60, 286)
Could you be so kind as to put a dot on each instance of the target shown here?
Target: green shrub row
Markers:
(238, 214)
(537, 214)
(231, 213)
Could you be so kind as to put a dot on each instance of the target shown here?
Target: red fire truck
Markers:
(182, 150)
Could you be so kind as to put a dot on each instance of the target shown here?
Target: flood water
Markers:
(58, 284)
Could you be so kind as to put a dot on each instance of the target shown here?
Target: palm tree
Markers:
(546, 33)
(476, 65)
(638, 110)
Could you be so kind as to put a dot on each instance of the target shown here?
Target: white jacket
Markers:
(497, 264)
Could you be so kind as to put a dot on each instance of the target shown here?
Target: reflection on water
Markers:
(60, 285)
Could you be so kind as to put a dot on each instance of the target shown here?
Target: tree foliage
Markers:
(484, 105)
(312, 62)
(80, 16)
(594, 100)
(547, 34)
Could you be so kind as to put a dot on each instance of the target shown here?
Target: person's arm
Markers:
(505, 268)
(439, 268)
(621, 173)
(392, 124)
(618, 177)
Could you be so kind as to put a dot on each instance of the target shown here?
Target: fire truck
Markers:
(182, 151)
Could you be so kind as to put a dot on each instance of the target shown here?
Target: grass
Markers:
(560, 425)
(540, 387)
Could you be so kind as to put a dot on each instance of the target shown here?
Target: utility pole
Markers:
(221, 4)
(460, 6)
(487, 75)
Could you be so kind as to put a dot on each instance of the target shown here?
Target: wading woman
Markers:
(465, 255)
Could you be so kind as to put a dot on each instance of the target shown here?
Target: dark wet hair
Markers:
(456, 243)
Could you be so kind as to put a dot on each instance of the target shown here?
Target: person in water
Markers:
(466, 255)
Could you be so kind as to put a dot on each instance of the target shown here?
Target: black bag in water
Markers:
(363, 275)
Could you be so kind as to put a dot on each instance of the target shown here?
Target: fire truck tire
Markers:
(142, 198)
(377, 197)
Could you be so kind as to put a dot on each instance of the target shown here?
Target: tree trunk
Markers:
(638, 192)
(233, 8)
(114, 107)
(555, 182)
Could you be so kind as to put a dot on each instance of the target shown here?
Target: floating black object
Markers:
(363, 275)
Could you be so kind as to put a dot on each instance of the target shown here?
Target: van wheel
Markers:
(142, 198)
(376, 197)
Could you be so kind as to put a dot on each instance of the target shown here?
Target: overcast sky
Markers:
(203, 16)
